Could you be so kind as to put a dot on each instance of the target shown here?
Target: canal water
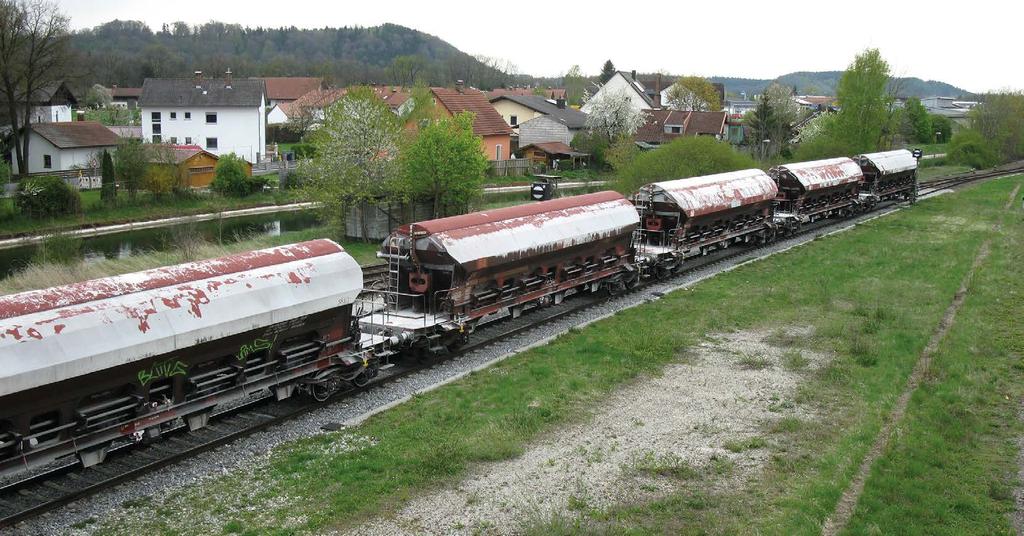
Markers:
(126, 244)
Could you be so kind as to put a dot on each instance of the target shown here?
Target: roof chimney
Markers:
(634, 74)
(227, 75)
(560, 103)
(460, 86)
(197, 77)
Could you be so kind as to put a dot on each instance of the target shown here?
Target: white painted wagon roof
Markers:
(891, 161)
(819, 174)
(64, 332)
(711, 193)
(545, 226)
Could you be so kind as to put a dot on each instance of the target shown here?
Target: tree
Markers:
(405, 70)
(771, 122)
(607, 71)
(33, 54)
(575, 84)
(162, 174)
(97, 97)
(1000, 120)
(693, 93)
(445, 164)
(863, 102)
(130, 164)
(683, 157)
(942, 127)
(613, 115)
(230, 177)
(108, 189)
(917, 124)
(356, 156)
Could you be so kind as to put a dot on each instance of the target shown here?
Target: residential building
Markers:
(553, 93)
(814, 102)
(125, 97)
(739, 106)
(289, 88)
(65, 145)
(487, 122)
(399, 99)
(279, 113)
(627, 82)
(52, 104)
(663, 126)
(220, 115)
(538, 119)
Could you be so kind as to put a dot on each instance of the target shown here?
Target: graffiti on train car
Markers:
(251, 348)
(163, 369)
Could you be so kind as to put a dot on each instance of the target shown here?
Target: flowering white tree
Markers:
(356, 155)
(613, 115)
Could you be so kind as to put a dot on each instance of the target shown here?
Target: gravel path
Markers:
(253, 450)
(673, 424)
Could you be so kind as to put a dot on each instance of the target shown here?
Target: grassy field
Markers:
(934, 172)
(872, 295)
(42, 275)
(96, 213)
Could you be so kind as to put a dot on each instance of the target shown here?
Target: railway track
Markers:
(63, 484)
(943, 183)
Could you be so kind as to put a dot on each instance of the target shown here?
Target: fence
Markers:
(511, 168)
(83, 179)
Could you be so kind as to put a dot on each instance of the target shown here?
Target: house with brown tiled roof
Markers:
(125, 97)
(663, 126)
(487, 122)
(66, 145)
(553, 93)
(289, 88)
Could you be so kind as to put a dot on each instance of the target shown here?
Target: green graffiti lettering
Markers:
(255, 346)
(163, 369)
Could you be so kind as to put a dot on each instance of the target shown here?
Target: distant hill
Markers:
(825, 82)
(126, 52)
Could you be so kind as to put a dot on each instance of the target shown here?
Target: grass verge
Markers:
(873, 295)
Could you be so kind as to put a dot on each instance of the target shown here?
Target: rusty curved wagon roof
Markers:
(698, 196)
(524, 230)
(819, 174)
(889, 161)
(64, 332)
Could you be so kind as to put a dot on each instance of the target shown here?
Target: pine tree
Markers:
(607, 72)
(108, 191)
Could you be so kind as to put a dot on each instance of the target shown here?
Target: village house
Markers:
(627, 82)
(538, 119)
(52, 104)
(663, 126)
(220, 115)
(553, 93)
(125, 97)
(487, 123)
(65, 146)
(283, 89)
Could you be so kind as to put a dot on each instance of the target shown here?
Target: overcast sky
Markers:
(974, 45)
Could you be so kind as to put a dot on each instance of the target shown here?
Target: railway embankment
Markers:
(746, 403)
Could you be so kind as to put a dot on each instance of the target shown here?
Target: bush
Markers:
(970, 148)
(304, 150)
(231, 179)
(593, 144)
(48, 196)
(684, 157)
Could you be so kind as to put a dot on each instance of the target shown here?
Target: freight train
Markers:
(125, 357)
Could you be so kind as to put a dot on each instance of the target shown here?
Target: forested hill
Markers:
(825, 82)
(126, 52)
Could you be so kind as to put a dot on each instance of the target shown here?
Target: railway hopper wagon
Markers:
(448, 275)
(690, 217)
(810, 191)
(124, 357)
(888, 175)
